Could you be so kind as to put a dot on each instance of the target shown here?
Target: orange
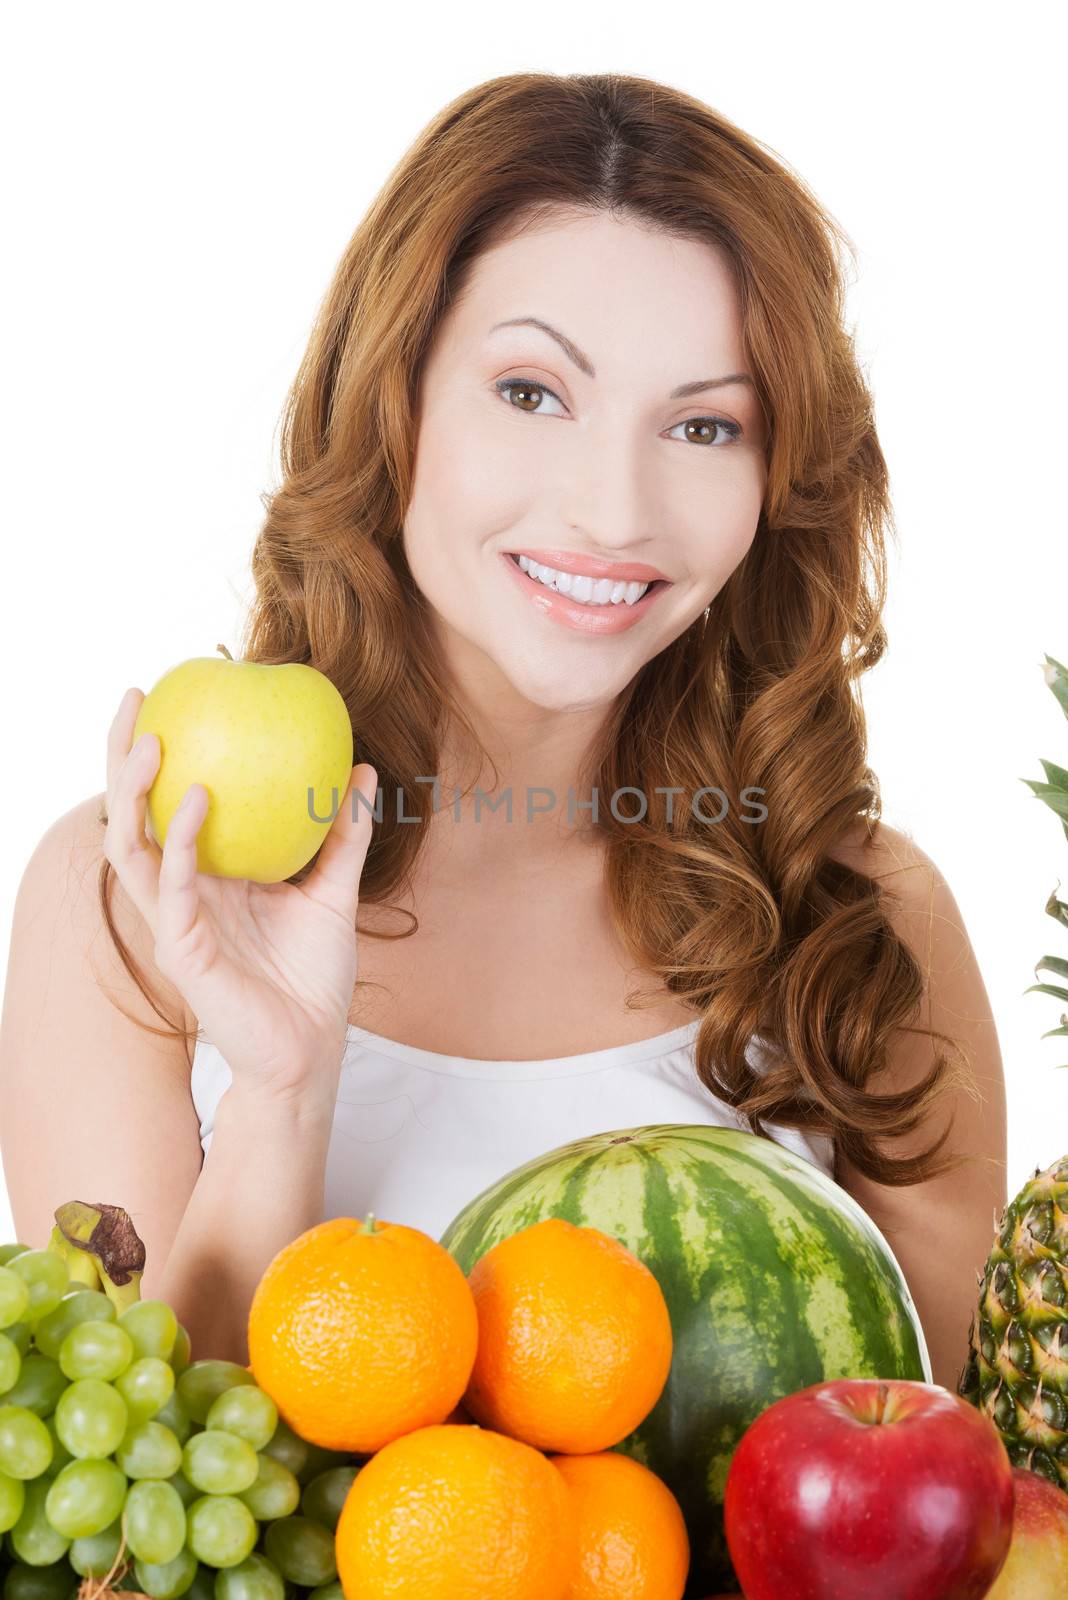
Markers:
(449, 1512)
(632, 1540)
(574, 1338)
(360, 1331)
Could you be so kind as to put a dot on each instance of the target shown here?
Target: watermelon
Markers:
(774, 1277)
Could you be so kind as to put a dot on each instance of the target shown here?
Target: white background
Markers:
(179, 182)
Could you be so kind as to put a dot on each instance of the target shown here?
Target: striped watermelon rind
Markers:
(774, 1276)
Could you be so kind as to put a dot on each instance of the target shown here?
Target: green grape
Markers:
(147, 1384)
(25, 1443)
(186, 1492)
(327, 1591)
(203, 1381)
(174, 1416)
(80, 1305)
(84, 1497)
(166, 1580)
(33, 1538)
(45, 1275)
(219, 1463)
(52, 1582)
(20, 1334)
(288, 1448)
(10, 1363)
(220, 1530)
(246, 1411)
(96, 1350)
(182, 1353)
(154, 1519)
(60, 1454)
(8, 1251)
(203, 1584)
(40, 1384)
(91, 1418)
(255, 1578)
(302, 1550)
(14, 1297)
(149, 1450)
(275, 1493)
(320, 1460)
(12, 1499)
(324, 1496)
(152, 1326)
(94, 1555)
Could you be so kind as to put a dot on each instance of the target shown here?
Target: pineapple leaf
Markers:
(1057, 909)
(1055, 774)
(1057, 678)
(1047, 988)
(1051, 794)
(1053, 964)
(1056, 1033)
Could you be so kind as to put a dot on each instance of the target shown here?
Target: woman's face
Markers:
(576, 450)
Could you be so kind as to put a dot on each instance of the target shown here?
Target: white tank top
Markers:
(416, 1134)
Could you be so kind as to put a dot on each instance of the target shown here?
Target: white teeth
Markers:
(590, 591)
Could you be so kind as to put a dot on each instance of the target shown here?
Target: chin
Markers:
(552, 685)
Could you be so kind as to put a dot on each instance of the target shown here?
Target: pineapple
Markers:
(1017, 1368)
(1017, 1371)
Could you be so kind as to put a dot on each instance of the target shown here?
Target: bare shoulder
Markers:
(64, 877)
(889, 854)
(915, 897)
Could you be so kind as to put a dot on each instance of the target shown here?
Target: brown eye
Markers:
(528, 390)
(726, 431)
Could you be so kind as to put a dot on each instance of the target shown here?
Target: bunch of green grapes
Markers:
(112, 1441)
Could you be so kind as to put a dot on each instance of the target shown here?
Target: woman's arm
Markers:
(943, 1230)
(261, 1185)
(95, 1108)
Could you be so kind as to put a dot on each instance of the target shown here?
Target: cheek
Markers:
(718, 518)
(469, 484)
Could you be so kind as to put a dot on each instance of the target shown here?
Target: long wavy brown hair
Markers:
(756, 927)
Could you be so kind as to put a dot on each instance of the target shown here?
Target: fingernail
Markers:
(183, 804)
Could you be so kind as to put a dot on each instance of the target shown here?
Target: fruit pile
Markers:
(124, 1463)
(405, 1430)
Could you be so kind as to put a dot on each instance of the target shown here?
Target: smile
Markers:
(589, 605)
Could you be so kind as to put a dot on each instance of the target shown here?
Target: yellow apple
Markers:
(258, 737)
(1036, 1567)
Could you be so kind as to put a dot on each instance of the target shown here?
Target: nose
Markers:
(608, 496)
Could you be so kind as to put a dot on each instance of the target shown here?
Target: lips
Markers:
(593, 566)
(594, 621)
(650, 584)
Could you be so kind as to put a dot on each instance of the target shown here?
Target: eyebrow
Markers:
(585, 365)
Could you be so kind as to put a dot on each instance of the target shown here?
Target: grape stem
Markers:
(119, 1568)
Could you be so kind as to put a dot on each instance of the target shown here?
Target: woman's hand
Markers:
(268, 970)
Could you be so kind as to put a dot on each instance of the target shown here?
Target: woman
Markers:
(590, 333)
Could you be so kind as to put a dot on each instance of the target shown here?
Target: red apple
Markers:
(1037, 1566)
(886, 1488)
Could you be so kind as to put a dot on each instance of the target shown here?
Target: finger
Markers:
(334, 881)
(135, 857)
(120, 735)
(179, 898)
(120, 748)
